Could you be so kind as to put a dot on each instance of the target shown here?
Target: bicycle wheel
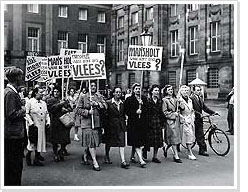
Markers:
(219, 141)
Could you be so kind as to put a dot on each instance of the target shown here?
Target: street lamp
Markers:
(146, 37)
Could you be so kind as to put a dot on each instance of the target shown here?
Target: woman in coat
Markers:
(37, 115)
(91, 130)
(187, 118)
(155, 125)
(115, 126)
(60, 135)
(172, 124)
(136, 108)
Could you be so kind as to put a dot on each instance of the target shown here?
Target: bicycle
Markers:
(217, 138)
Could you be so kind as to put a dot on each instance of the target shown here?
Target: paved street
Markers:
(205, 171)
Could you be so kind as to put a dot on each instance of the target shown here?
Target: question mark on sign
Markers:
(102, 68)
(157, 63)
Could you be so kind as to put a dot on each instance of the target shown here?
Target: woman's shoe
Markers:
(156, 160)
(142, 165)
(96, 168)
(56, 158)
(165, 152)
(85, 160)
(107, 160)
(177, 160)
(133, 160)
(125, 165)
(191, 157)
(28, 160)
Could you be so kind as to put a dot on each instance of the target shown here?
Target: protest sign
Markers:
(33, 64)
(70, 51)
(144, 58)
(88, 66)
(59, 66)
(43, 70)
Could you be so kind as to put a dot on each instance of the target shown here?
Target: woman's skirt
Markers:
(90, 138)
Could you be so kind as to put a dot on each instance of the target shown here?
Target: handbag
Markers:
(33, 134)
(67, 119)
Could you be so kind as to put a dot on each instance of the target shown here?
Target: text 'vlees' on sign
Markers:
(144, 58)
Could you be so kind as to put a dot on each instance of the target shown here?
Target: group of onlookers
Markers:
(160, 119)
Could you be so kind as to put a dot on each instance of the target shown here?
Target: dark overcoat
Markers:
(136, 127)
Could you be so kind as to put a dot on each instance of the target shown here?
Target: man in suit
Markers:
(14, 122)
(199, 106)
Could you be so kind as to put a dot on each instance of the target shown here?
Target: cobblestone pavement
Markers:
(205, 171)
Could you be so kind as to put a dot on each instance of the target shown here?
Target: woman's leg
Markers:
(139, 153)
(191, 155)
(76, 134)
(174, 148)
(93, 155)
(106, 158)
(28, 158)
(121, 151)
(132, 158)
(61, 150)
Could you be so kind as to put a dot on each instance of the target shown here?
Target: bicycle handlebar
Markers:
(208, 116)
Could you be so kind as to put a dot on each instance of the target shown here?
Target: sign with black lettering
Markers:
(88, 66)
(147, 58)
(59, 66)
(33, 64)
(43, 70)
(64, 51)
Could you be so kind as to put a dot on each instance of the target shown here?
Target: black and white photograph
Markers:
(118, 95)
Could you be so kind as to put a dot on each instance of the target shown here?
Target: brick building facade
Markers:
(204, 31)
(42, 29)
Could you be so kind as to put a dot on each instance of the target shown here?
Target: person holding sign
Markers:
(88, 107)
(115, 127)
(137, 123)
(60, 135)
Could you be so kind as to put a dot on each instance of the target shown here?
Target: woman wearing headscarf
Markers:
(60, 135)
(88, 108)
(136, 108)
(37, 116)
(187, 118)
(172, 124)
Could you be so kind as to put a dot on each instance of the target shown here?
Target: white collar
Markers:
(12, 87)
(114, 101)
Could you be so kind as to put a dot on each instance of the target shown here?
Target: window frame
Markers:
(121, 22)
(149, 14)
(193, 7)
(120, 50)
(134, 18)
(34, 46)
(80, 15)
(134, 39)
(174, 43)
(60, 11)
(100, 18)
(33, 8)
(174, 77)
(100, 45)
(215, 37)
(189, 76)
(213, 83)
(175, 13)
(130, 83)
(83, 44)
(118, 79)
(63, 42)
(194, 40)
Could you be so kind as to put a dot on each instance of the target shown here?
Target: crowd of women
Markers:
(158, 120)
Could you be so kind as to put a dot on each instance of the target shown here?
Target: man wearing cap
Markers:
(14, 122)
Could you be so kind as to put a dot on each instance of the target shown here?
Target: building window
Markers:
(215, 36)
(63, 11)
(6, 35)
(101, 17)
(213, 78)
(134, 18)
(193, 7)
(82, 14)
(190, 76)
(121, 22)
(172, 78)
(118, 80)
(174, 43)
(82, 42)
(192, 40)
(131, 79)
(62, 40)
(149, 13)
(173, 10)
(33, 39)
(5, 7)
(101, 42)
(33, 8)
(121, 50)
(134, 40)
